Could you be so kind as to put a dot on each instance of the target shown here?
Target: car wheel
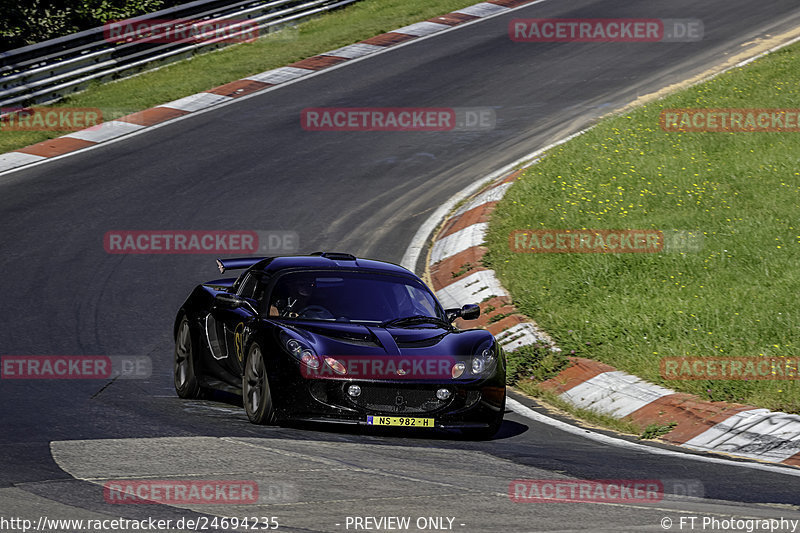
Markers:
(255, 388)
(186, 384)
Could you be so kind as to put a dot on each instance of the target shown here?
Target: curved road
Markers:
(250, 165)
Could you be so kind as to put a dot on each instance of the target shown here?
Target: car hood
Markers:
(361, 340)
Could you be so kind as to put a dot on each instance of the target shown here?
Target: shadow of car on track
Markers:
(507, 430)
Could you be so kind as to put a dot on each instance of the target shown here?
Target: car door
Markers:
(227, 327)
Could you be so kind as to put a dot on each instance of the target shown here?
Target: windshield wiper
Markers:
(416, 319)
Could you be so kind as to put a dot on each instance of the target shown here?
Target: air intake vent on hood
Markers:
(417, 343)
(336, 256)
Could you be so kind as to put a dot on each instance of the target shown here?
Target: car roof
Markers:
(329, 261)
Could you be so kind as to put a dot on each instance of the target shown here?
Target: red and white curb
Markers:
(459, 277)
(133, 123)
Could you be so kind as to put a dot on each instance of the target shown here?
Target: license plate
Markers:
(400, 421)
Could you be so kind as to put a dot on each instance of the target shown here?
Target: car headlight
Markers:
(336, 365)
(300, 351)
(484, 360)
(294, 347)
(310, 359)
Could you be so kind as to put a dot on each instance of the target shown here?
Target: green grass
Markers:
(534, 361)
(653, 431)
(741, 191)
(333, 30)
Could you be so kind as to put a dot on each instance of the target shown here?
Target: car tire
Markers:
(256, 394)
(184, 375)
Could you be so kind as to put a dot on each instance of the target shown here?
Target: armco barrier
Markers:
(46, 72)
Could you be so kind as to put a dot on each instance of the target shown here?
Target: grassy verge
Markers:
(332, 30)
(534, 362)
(732, 296)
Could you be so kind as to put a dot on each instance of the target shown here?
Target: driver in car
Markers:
(299, 291)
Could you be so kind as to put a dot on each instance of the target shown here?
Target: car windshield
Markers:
(350, 297)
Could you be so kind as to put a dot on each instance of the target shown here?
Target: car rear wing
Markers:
(237, 263)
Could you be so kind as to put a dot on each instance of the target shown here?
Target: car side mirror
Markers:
(467, 312)
(470, 311)
(227, 300)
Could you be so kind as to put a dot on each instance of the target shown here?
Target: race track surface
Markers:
(250, 165)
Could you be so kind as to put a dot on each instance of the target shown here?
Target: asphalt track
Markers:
(249, 165)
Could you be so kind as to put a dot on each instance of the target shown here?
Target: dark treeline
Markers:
(25, 22)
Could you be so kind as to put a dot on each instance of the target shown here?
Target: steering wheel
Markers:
(315, 311)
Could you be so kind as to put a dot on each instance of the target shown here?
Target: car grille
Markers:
(405, 400)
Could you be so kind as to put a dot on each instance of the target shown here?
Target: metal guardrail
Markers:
(46, 72)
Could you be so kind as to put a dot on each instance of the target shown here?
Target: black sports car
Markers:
(332, 338)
